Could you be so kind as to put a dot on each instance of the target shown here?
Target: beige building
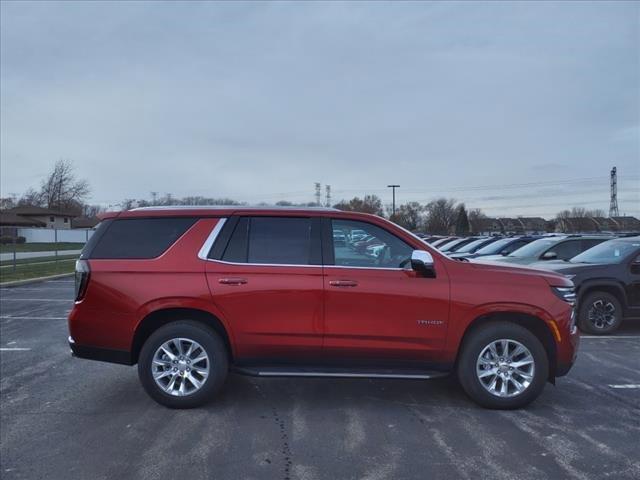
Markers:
(43, 217)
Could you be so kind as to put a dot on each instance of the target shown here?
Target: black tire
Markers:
(210, 342)
(473, 346)
(597, 309)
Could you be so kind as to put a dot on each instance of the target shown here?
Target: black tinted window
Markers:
(279, 240)
(566, 250)
(140, 238)
(236, 250)
(513, 247)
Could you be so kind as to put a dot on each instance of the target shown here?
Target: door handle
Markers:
(343, 283)
(232, 281)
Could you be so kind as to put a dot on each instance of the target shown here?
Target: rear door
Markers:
(267, 280)
(376, 308)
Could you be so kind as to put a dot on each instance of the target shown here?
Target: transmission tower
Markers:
(317, 184)
(613, 205)
(327, 189)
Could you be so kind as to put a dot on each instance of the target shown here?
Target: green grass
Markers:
(41, 247)
(26, 271)
(37, 260)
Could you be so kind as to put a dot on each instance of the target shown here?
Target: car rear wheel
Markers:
(503, 366)
(600, 313)
(183, 364)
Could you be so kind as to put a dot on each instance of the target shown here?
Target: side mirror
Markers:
(549, 256)
(422, 262)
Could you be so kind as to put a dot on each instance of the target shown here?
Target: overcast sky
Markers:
(257, 101)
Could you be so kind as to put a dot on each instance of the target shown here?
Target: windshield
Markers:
(494, 247)
(533, 249)
(613, 251)
(470, 246)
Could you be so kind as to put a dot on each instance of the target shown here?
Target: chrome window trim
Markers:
(299, 265)
(208, 243)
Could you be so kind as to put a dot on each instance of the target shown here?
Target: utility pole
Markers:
(393, 187)
(328, 195)
(317, 184)
(613, 204)
(154, 198)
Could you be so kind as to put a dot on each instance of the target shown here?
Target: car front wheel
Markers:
(183, 364)
(503, 366)
(600, 313)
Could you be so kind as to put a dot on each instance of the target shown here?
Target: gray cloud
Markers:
(257, 100)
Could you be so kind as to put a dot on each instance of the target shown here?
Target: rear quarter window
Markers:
(139, 238)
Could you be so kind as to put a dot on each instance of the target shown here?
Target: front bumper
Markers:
(100, 354)
(569, 352)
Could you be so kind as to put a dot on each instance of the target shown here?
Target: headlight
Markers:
(568, 294)
(570, 277)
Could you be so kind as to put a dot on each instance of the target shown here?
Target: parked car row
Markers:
(604, 268)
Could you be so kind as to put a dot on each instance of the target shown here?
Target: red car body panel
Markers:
(296, 312)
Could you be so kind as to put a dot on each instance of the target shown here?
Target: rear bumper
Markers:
(100, 354)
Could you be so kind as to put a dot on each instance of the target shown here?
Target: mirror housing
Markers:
(422, 262)
(550, 256)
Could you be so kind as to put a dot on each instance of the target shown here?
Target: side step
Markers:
(337, 372)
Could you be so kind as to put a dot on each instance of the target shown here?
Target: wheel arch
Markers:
(534, 324)
(609, 286)
(158, 318)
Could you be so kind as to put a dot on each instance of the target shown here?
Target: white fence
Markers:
(48, 235)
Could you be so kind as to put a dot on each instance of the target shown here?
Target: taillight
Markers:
(82, 278)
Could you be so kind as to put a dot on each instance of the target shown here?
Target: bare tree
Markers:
(30, 198)
(8, 202)
(369, 204)
(441, 216)
(580, 212)
(409, 215)
(61, 190)
(476, 217)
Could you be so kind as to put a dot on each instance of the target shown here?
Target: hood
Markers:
(501, 259)
(568, 268)
(552, 278)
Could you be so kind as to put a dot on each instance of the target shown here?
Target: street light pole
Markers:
(393, 187)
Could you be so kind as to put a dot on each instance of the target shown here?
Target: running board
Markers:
(289, 371)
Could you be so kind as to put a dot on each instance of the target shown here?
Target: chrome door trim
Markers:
(206, 247)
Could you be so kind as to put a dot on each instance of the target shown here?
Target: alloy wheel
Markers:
(602, 314)
(505, 368)
(180, 366)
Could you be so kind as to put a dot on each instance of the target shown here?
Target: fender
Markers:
(196, 303)
(460, 325)
(595, 283)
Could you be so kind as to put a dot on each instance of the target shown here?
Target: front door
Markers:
(377, 309)
(268, 284)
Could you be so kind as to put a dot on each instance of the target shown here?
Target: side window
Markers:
(567, 250)
(361, 244)
(236, 250)
(277, 240)
(587, 244)
(140, 237)
(513, 247)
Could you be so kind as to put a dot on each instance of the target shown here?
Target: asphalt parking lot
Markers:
(64, 418)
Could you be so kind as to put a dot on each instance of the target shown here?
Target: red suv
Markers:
(190, 294)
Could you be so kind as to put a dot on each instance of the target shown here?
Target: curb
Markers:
(28, 281)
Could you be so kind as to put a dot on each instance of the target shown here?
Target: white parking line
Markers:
(602, 337)
(10, 317)
(14, 349)
(630, 385)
